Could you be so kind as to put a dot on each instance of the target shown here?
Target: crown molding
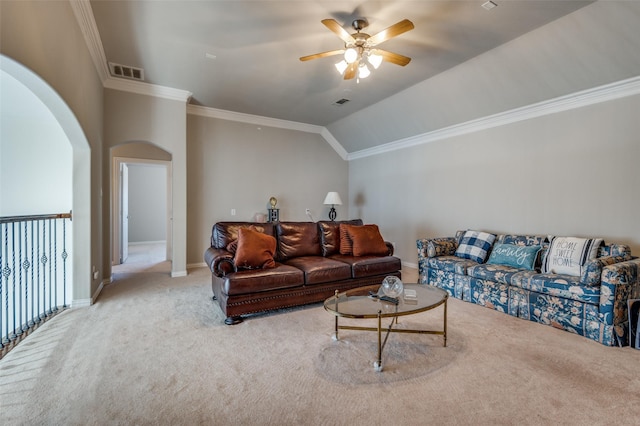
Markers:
(84, 15)
(252, 119)
(142, 88)
(269, 122)
(607, 92)
(326, 134)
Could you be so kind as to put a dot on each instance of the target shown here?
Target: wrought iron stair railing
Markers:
(34, 282)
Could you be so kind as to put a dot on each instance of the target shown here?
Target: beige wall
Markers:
(131, 117)
(240, 166)
(571, 173)
(46, 39)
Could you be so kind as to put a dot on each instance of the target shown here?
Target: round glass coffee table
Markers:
(357, 303)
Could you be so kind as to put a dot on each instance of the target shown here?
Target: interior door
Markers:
(124, 212)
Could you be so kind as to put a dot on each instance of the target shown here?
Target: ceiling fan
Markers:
(360, 48)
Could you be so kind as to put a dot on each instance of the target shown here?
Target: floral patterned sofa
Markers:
(592, 303)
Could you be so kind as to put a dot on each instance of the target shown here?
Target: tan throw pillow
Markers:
(366, 240)
(255, 249)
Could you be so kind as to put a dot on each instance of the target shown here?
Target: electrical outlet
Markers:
(307, 211)
(233, 212)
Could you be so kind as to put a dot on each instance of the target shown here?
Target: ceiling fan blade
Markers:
(351, 70)
(334, 26)
(394, 58)
(394, 30)
(322, 55)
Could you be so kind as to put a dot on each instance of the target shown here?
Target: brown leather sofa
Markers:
(308, 267)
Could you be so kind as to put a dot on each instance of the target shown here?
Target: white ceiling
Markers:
(257, 44)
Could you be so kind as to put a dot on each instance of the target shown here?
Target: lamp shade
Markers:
(333, 198)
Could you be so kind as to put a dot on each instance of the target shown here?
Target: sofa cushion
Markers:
(492, 272)
(518, 256)
(367, 240)
(475, 245)
(260, 280)
(318, 269)
(255, 249)
(568, 255)
(330, 235)
(450, 264)
(297, 239)
(367, 266)
(559, 285)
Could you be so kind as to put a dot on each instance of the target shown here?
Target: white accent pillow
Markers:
(568, 255)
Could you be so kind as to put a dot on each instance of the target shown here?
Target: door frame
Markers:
(116, 195)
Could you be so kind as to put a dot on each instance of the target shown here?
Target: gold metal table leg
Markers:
(445, 322)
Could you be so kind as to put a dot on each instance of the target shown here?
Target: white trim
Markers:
(270, 122)
(177, 274)
(84, 15)
(607, 92)
(326, 134)
(142, 243)
(148, 89)
(252, 119)
(196, 265)
(410, 265)
(83, 303)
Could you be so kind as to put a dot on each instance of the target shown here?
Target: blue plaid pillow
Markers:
(475, 245)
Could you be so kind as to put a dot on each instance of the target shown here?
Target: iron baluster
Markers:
(55, 266)
(33, 311)
(64, 263)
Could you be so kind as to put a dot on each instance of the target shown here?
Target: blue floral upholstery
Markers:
(593, 305)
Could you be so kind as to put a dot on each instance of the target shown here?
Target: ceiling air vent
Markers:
(125, 71)
(489, 5)
(340, 102)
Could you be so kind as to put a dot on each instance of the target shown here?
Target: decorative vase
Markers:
(392, 286)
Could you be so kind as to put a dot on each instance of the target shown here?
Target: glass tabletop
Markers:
(356, 303)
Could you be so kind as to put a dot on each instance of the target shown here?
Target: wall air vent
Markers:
(340, 102)
(125, 71)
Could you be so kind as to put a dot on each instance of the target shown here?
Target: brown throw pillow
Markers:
(367, 240)
(232, 246)
(255, 249)
(346, 245)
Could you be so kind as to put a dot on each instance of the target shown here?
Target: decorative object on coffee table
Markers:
(274, 214)
(392, 286)
(332, 199)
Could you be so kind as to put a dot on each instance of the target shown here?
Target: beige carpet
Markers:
(154, 350)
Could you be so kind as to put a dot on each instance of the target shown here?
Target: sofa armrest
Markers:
(619, 282)
(390, 248)
(433, 247)
(592, 273)
(220, 261)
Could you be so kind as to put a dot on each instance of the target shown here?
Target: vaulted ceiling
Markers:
(243, 56)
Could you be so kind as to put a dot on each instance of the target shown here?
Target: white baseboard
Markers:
(140, 243)
(410, 265)
(81, 303)
(177, 274)
(196, 265)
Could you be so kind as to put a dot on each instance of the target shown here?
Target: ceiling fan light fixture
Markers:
(342, 66)
(363, 71)
(350, 55)
(375, 60)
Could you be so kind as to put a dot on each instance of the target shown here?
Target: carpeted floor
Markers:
(154, 350)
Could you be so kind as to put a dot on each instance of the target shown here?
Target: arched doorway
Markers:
(81, 176)
(132, 155)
